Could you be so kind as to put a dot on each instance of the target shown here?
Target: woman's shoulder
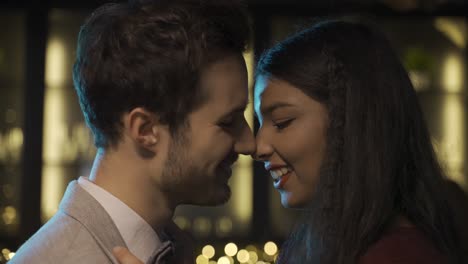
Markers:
(403, 245)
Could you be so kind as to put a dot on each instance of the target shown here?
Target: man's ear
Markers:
(143, 126)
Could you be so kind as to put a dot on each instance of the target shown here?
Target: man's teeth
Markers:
(276, 174)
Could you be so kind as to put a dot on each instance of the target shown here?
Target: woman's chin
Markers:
(288, 201)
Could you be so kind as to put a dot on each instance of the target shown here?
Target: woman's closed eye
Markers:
(280, 125)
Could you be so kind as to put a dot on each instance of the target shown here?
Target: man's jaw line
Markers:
(119, 177)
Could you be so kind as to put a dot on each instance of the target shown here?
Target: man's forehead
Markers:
(222, 102)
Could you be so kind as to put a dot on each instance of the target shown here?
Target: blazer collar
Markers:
(80, 205)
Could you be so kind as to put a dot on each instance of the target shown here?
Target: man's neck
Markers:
(123, 177)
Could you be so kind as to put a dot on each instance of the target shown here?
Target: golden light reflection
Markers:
(201, 260)
(202, 226)
(55, 128)
(247, 255)
(253, 256)
(7, 254)
(224, 260)
(453, 139)
(242, 185)
(453, 74)
(267, 257)
(420, 80)
(182, 222)
(3, 152)
(9, 215)
(270, 248)
(242, 180)
(55, 63)
(249, 61)
(251, 248)
(454, 30)
(224, 226)
(52, 190)
(230, 249)
(16, 142)
(243, 256)
(208, 251)
(11, 143)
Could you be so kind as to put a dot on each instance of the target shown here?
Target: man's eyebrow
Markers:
(238, 109)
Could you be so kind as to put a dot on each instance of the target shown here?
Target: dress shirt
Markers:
(140, 237)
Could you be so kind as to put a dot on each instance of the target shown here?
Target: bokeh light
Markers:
(224, 260)
(230, 249)
(243, 256)
(270, 248)
(208, 251)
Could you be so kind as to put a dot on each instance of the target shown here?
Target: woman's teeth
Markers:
(276, 174)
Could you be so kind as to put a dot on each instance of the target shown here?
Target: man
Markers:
(163, 87)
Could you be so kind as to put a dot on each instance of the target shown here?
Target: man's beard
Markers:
(186, 183)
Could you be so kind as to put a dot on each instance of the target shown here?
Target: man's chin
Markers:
(219, 197)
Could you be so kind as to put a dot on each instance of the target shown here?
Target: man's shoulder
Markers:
(61, 238)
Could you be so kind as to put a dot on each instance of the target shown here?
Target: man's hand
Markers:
(124, 256)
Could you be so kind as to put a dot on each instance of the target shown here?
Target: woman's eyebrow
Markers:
(272, 107)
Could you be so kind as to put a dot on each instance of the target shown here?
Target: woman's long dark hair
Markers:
(380, 161)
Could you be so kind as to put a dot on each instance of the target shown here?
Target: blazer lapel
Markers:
(80, 205)
(162, 254)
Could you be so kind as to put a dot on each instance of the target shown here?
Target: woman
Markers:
(344, 139)
(343, 136)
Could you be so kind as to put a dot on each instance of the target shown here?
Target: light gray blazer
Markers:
(80, 232)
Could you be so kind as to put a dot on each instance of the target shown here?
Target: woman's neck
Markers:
(402, 221)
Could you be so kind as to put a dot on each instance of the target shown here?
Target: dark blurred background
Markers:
(44, 142)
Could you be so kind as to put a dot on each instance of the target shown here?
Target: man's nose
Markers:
(246, 142)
